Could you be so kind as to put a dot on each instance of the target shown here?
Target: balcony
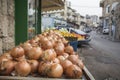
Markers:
(102, 3)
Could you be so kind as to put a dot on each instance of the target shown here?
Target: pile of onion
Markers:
(47, 54)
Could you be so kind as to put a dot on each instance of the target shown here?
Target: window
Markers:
(108, 9)
(32, 18)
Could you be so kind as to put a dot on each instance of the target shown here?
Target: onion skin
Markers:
(49, 55)
(35, 53)
(7, 56)
(20, 58)
(47, 45)
(26, 46)
(80, 64)
(3, 58)
(73, 71)
(59, 50)
(44, 68)
(55, 71)
(66, 63)
(73, 58)
(17, 52)
(34, 65)
(22, 68)
(56, 60)
(66, 55)
(61, 58)
(6, 67)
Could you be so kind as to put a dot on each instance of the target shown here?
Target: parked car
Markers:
(105, 31)
(87, 30)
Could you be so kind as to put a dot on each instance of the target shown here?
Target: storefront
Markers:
(21, 20)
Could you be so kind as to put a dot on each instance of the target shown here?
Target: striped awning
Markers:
(50, 5)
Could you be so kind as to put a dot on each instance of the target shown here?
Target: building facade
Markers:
(67, 14)
(108, 9)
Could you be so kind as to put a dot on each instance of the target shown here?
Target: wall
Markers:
(117, 19)
(6, 25)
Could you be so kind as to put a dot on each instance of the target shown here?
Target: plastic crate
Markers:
(74, 44)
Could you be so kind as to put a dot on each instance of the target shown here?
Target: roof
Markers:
(50, 5)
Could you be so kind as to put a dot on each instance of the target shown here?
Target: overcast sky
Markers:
(84, 7)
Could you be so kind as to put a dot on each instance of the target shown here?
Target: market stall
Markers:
(47, 55)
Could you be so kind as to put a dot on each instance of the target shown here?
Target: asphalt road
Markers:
(102, 57)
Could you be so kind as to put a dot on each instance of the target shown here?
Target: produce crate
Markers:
(86, 76)
(74, 44)
(71, 38)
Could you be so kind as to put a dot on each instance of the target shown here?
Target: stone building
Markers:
(6, 25)
(108, 9)
(116, 18)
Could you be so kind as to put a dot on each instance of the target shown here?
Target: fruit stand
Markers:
(47, 56)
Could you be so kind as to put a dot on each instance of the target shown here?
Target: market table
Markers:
(86, 76)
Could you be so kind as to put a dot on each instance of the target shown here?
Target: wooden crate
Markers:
(86, 76)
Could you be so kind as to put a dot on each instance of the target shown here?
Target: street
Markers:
(102, 57)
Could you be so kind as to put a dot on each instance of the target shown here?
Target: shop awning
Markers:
(50, 5)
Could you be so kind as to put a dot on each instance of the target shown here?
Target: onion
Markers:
(34, 65)
(44, 68)
(34, 53)
(20, 58)
(32, 41)
(59, 43)
(17, 52)
(36, 39)
(6, 67)
(46, 45)
(65, 42)
(59, 50)
(66, 63)
(69, 49)
(55, 71)
(56, 60)
(73, 58)
(61, 58)
(66, 55)
(53, 42)
(27, 46)
(80, 64)
(43, 39)
(49, 55)
(22, 68)
(7, 56)
(73, 71)
(3, 58)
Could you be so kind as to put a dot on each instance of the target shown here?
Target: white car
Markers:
(105, 31)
